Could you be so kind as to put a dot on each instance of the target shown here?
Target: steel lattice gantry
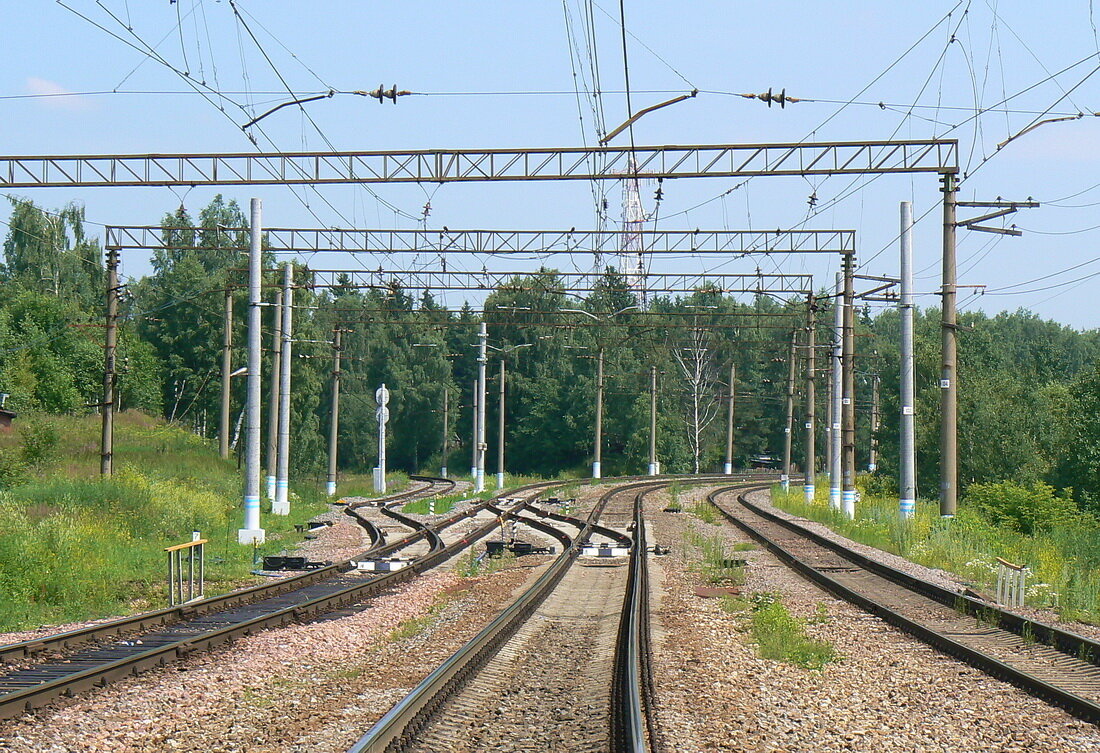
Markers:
(475, 165)
(493, 242)
(575, 282)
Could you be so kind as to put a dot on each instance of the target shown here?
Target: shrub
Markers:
(39, 442)
(1027, 509)
(13, 471)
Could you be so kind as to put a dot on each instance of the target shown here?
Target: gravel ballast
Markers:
(887, 693)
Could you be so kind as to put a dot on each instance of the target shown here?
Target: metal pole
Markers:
(473, 441)
(848, 384)
(227, 369)
(110, 345)
(729, 420)
(785, 479)
(596, 470)
(872, 460)
(653, 466)
(273, 402)
(835, 395)
(334, 423)
(811, 399)
(281, 505)
(251, 533)
(446, 437)
(482, 360)
(500, 438)
(907, 496)
(948, 381)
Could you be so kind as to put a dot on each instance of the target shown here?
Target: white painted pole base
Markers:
(596, 469)
(281, 503)
(443, 472)
(500, 481)
(480, 482)
(251, 531)
(251, 536)
(270, 488)
(727, 468)
(810, 491)
(652, 469)
(785, 482)
(379, 480)
(834, 498)
(330, 488)
(849, 500)
(908, 508)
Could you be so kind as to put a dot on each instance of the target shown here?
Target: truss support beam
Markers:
(309, 240)
(480, 165)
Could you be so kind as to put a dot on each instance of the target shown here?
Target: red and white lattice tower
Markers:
(631, 252)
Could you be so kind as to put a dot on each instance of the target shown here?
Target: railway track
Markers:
(1059, 666)
(537, 677)
(68, 663)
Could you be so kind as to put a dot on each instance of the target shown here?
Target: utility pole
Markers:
(334, 423)
(836, 397)
(729, 420)
(848, 383)
(273, 402)
(654, 467)
(811, 398)
(446, 432)
(948, 381)
(473, 441)
(110, 347)
(500, 438)
(251, 533)
(872, 462)
(227, 369)
(785, 479)
(596, 469)
(483, 342)
(907, 491)
(281, 504)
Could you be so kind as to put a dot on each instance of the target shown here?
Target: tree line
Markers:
(1029, 401)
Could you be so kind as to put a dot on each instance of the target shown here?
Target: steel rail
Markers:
(397, 729)
(16, 702)
(20, 701)
(1073, 645)
(628, 723)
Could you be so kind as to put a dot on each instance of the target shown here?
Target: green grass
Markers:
(782, 637)
(362, 484)
(74, 546)
(470, 567)
(713, 559)
(705, 512)
(1063, 560)
(423, 506)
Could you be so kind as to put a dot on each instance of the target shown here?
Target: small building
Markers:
(6, 417)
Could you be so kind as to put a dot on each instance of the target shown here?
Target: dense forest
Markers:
(1029, 402)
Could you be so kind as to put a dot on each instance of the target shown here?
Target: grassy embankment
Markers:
(1062, 552)
(74, 546)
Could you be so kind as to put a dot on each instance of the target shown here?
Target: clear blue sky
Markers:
(468, 62)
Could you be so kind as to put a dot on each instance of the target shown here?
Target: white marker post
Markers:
(382, 412)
